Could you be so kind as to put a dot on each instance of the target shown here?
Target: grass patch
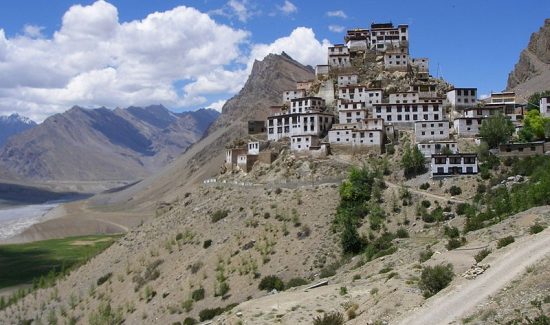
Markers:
(21, 263)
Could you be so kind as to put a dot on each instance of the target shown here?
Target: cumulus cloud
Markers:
(217, 105)
(33, 31)
(93, 60)
(337, 13)
(301, 45)
(336, 28)
(288, 8)
(180, 58)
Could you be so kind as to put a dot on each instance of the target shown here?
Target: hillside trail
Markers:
(455, 303)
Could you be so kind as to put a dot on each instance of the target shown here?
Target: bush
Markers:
(271, 282)
(198, 294)
(295, 282)
(426, 203)
(189, 321)
(424, 186)
(462, 208)
(219, 215)
(329, 270)
(435, 279)
(208, 314)
(452, 232)
(278, 190)
(402, 233)
(505, 241)
(536, 228)
(482, 254)
(207, 243)
(425, 255)
(455, 190)
(334, 318)
(453, 243)
(104, 279)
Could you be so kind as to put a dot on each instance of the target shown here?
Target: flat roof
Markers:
(307, 97)
(428, 121)
(454, 155)
(523, 144)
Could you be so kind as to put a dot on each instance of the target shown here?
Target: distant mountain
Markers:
(12, 125)
(103, 144)
(266, 82)
(532, 72)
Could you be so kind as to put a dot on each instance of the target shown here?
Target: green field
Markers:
(21, 263)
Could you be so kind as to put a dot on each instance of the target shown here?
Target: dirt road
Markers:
(455, 303)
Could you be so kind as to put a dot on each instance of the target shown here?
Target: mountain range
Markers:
(12, 125)
(102, 144)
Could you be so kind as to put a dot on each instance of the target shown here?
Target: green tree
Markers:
(533, 127)
(413, 161)
(496, 130)
(534, 100)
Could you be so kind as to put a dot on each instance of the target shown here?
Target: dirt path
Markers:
(455, 303)
(433, 196)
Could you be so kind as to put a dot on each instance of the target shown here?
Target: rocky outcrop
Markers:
(103, 144)
(532, 72)
(268, 79)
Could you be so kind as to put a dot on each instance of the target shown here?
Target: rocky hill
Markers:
(532, 72)
(103, 144)
(12, 125)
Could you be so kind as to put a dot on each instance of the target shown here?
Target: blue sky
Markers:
(470, 43)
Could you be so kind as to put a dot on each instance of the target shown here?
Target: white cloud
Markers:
(94, 60)
(288, 8)
(33, 31)
(484, 96)
(301, 45)
(240, 9)
(217, 105)
(337, 13)
(179, 58)
(336, 28)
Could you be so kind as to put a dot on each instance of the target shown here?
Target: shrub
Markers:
(219, 215)
(452, 232)
(482, 254)
(424, 186)
(536, 228)
(104, 279)
(453, 243)
(505, 241)
(295, 282)
(198, 294)
(189, 321)
(462, 208)
(329, 270)
(106, 315)
(207, 243)
(434, 279)
(402, 233)
(334, 318)
(343, 291)
(455, 190)
(278, 190)
(187, 305)
(425, 255)
(209, 313)
(426, 203)
(271, 282)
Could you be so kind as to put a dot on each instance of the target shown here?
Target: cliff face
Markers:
(532, 72)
